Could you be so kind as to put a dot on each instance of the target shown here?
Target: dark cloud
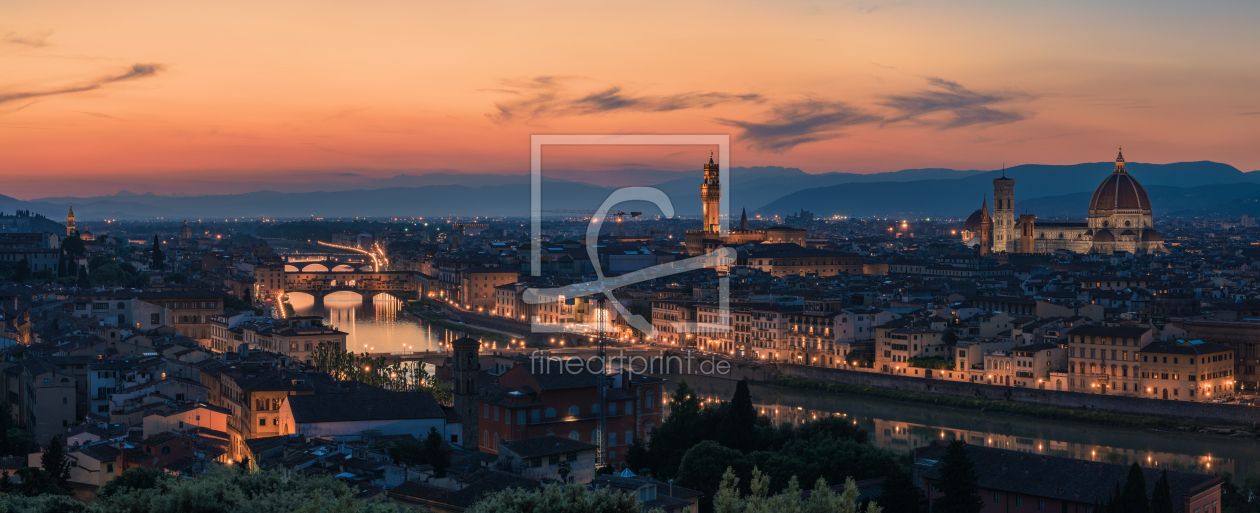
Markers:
(136, 71)
(799, 123)
(963, 106)
(551, 97)
(38, 40)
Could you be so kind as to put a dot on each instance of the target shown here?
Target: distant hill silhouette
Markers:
(1046, 190)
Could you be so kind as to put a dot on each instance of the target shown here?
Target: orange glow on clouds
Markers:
(252, 92)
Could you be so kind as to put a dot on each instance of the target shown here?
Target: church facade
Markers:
(1119, 219)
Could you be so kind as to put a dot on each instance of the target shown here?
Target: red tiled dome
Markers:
(1120, 191)
(973, 222)
(1151, 236)
(1104, 236)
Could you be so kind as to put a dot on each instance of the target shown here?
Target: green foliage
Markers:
(15, 503)
(702, 464)
(399, 377)
(559, 499)
(959, 486)
(822, 499)
(240, 305)
(73, 246)
(950, 337)
(1010, 407)
(20, 442)
(156, 256)
(436, 451)
(18, 271)
(1241, 497)
(55, 462)
(1161, 497)
(1132, 499)
(225, 491)
(898, 494)
(178, 278)
(739, 429)
(36, 481)
(134, 478)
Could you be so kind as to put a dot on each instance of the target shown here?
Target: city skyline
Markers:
(241, 98)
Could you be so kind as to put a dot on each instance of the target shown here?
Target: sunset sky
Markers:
(236, 96)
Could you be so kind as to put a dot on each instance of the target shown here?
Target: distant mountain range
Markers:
(1187, 188)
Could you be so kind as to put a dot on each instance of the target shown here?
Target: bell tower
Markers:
(70, 222)
(711, 194)
(464, 355)
(1004, 238)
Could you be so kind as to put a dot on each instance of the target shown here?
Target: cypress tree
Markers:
(159, 259)
(739, 429)
(1161, 497)
(54, 462)
(83, 277)
(1133, 497)
(898, 493)
(959, 484)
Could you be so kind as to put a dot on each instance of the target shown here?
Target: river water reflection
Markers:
(376, 327)
(903, 426)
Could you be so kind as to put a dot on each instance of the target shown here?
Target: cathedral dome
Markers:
(1104, 236)
(1120, 191)
(973, 222)
(1151, 236)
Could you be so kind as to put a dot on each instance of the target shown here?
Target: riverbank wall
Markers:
(1206, 413)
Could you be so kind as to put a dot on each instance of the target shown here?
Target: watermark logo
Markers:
(603, 285)
(662, 363)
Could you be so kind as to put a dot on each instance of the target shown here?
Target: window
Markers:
(553, 459)
(1019, 500)
(485, 411)
(629, 407)
(1041, 504)
(534, 416)
(551, 413)
(647, 402)
(612, 439)
(520, 417)
(574, 410)
(262, 422)
(997, 497)
(166, 450)
(570, 456)
(612, 409)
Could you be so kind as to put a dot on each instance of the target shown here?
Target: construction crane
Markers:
(620, 215)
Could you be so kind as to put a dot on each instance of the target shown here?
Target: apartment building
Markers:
(1183, 370)
(1103, 359)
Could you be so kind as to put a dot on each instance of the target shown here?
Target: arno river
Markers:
(903, 426)
(382, 327)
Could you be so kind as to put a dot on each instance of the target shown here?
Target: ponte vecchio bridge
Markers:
(322, 277)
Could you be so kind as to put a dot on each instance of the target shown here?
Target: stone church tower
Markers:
(70, 231)
(1004, 237)
(464, 354)
(711, 194)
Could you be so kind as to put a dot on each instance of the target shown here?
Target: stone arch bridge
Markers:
(404, 285)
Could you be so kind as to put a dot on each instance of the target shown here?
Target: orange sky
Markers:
(170, 97)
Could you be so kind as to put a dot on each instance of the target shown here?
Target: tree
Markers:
(437, 452)
(739, 429)
(950, 337)
(134, 478)
(702, 464)
(36, 481)
(179, 278)
(821, 499)
(41, 503)
(83, 278)
(155, 254)
(21, 271)
(1132, 498)
(559, 499)
(6, 484)
(1161, 497)
(898, 493)
(564, 469)
(681, 431)
(959, 484)
(55, 463)
(223, 490)
(73, 246)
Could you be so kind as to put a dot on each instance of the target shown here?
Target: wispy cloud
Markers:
(797, 123)
(137, 71)
(961, 106)
(36, 40)
(552, 97)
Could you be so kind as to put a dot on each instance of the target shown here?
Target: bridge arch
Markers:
(314, 268)
(344, 268)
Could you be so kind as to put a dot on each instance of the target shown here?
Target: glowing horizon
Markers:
(169, 98)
